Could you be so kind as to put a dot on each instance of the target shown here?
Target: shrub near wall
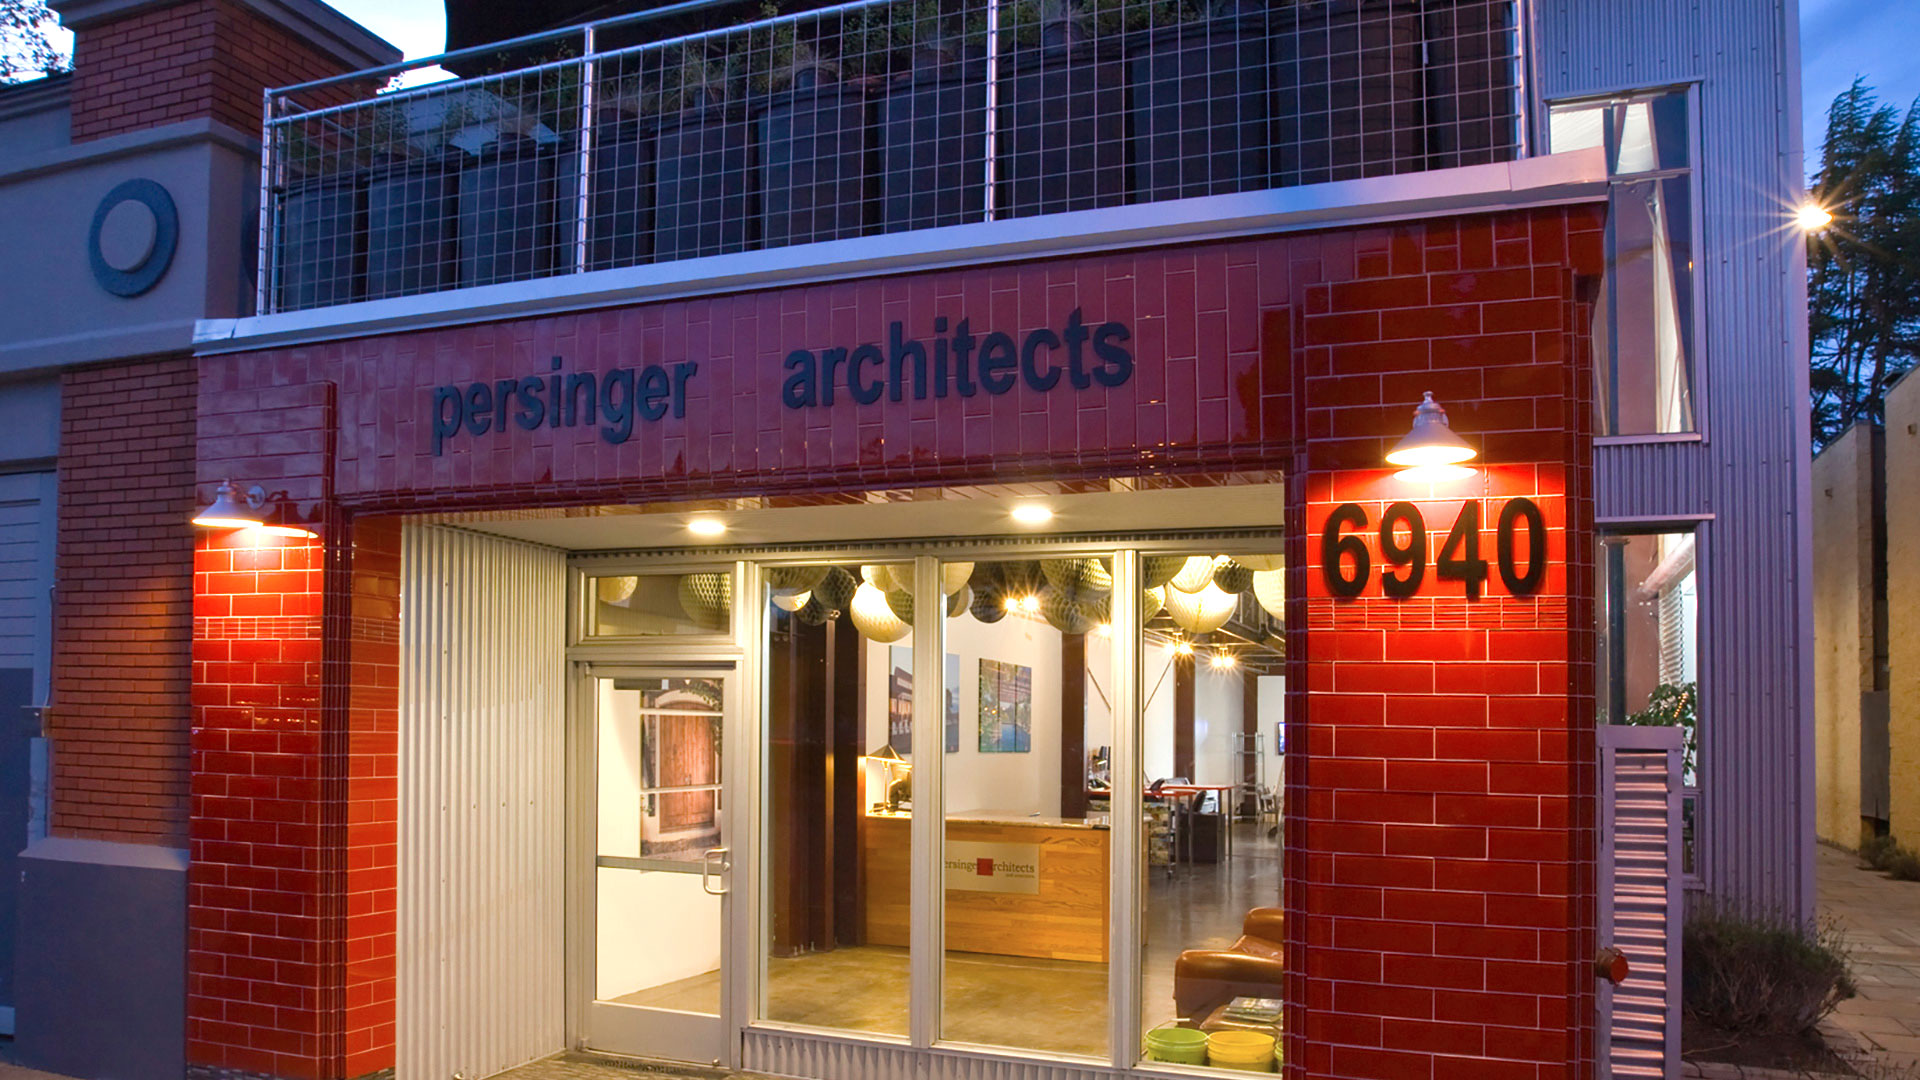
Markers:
(1762, 975)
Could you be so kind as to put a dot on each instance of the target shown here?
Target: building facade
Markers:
(870, 541)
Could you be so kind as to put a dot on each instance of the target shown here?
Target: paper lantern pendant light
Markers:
(1232, 577)
(1270, 590)
(873, 617)
(1195, 574)
(707, 599)
(1157, 570)
(989, 604)
(812, 613)
(1151, 601)
(953, 576)
(900, 602)
(835, 591)
(1203, 611)
(880, 576)
(1062, 613)
(792, 601)
(1261, 562)
(958, 602)
(795, 578)
(615, 590)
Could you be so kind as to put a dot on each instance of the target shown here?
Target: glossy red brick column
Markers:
(296, 665)
(1441, 816)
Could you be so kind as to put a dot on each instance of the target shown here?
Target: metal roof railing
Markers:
(863, 118)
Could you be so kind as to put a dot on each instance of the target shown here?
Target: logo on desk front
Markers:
(999, 868)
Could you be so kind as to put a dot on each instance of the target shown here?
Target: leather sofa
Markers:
(1206, 980)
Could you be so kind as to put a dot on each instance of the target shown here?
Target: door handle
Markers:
(706, 870)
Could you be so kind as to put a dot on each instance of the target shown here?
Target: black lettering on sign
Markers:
(1345, 565)
(1335, 549)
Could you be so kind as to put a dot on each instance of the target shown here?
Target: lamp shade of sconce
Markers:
(792, 601)
(959, 601)
(1232, 577)
(707, 599)
(1270, 591)
(1157, 570)
(233, 509)
(835, 591)
(795, 578)
(953, 576)
(1203, 611)
(1062, 613)
(1431, 441)
(874, 618)
(615, 590)
(1195, 574)
(1261, 562)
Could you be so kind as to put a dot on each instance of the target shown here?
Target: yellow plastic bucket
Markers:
(1249, 1050)
(1181, 1046)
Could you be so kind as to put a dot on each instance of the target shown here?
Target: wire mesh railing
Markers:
(598, 147)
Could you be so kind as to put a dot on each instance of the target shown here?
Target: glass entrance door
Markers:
(663, 865)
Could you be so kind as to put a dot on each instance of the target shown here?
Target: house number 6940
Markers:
(1347, 565)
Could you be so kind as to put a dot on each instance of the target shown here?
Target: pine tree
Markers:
(27, 41)
(1864, 271)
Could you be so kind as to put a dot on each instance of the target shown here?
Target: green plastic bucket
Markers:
(1249, 1050)
(1181, 1046)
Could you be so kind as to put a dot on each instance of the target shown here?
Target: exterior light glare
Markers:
(1032, 514)
(1431, 441)
(1813, 217)
(1434, 474)
(706, 526)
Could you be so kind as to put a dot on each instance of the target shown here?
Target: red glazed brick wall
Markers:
(1440, 842)
(122, 607)
(1441, 821)
(184, 61)
(291, 888)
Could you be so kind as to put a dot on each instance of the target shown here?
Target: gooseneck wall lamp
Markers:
(1431, 451)
(253, 508)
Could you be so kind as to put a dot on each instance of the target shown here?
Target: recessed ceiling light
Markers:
(706, 526)
(1032, 513)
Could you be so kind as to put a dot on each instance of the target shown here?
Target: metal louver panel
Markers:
(482, 778)
(1640, 898)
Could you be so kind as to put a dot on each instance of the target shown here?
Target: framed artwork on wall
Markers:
(1006, 707)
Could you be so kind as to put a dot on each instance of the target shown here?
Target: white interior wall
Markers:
(481, 941)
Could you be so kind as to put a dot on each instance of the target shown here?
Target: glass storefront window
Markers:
(839, 776)
(1027, 862)
(656, 605)
(1644, 317)
(1650, 645)
(1212, 750)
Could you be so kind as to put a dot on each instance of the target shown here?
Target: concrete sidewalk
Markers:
(1881, 920)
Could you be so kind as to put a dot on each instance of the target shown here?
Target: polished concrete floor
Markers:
(1053, 1005)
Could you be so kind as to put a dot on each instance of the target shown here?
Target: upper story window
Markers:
(1644, 325)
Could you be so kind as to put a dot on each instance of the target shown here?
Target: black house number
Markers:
(1347, 565)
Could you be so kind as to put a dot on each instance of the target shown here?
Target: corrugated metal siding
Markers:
(482, 785)
(1751, 473)
(791, 1054)
(1640, 864)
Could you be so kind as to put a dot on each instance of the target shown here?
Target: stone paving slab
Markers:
(1880, 919)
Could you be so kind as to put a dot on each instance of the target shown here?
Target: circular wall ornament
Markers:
(134, 234)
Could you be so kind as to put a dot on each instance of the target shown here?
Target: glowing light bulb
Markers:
(1813, 217)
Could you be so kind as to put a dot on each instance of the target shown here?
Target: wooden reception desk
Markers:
(1016, 885)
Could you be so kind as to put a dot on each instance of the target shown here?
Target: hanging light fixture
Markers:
(1204, 611)
(874, 617)
(1195, 574)
(1431, 451)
